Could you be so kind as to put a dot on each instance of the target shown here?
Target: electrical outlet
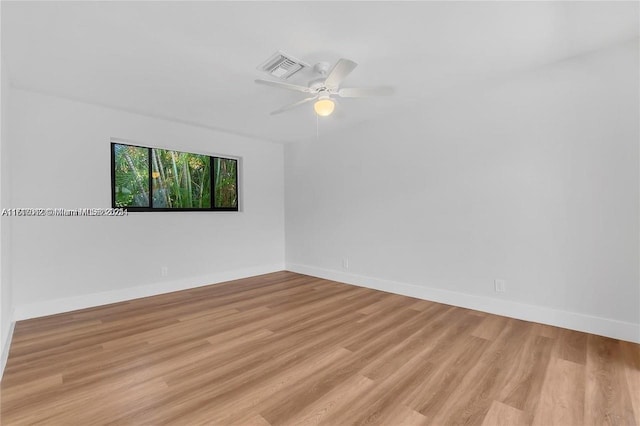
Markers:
(164, 271)
(345, 263)
(500, 286)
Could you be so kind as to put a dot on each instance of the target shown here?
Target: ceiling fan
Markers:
(327, 87)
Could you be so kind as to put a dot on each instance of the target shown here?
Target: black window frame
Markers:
(150, 183)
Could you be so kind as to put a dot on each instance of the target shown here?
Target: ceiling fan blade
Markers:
(293, 105)
(364, 92)
(284, 85)
(339, 72)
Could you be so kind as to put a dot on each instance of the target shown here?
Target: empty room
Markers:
(320, 213)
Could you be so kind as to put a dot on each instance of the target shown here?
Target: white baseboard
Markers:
(4, 356)
(67, 304)
(575, 321)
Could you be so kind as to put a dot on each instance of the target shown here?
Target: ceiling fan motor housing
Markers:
(317, 85)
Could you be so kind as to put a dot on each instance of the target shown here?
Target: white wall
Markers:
(6, 305)
(60, 157)
(530, 178)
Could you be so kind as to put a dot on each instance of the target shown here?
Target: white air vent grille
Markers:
(281, 65)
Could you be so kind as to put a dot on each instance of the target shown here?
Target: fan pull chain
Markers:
(317, 128)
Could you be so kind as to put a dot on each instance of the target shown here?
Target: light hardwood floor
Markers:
(291, 349)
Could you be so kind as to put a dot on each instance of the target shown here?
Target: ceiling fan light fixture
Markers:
(324, 106)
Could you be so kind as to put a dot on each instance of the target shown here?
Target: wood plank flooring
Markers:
(289, 349)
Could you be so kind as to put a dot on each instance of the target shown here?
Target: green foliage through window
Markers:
(178, 180)
(132, 177)
(226, 178)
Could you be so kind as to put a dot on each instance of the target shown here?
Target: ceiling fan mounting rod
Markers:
(321, 68)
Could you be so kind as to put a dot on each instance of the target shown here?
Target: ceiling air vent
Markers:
(281, 65)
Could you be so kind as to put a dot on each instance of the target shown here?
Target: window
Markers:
(154, 179)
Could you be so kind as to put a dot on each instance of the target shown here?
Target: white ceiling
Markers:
(196, 61)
